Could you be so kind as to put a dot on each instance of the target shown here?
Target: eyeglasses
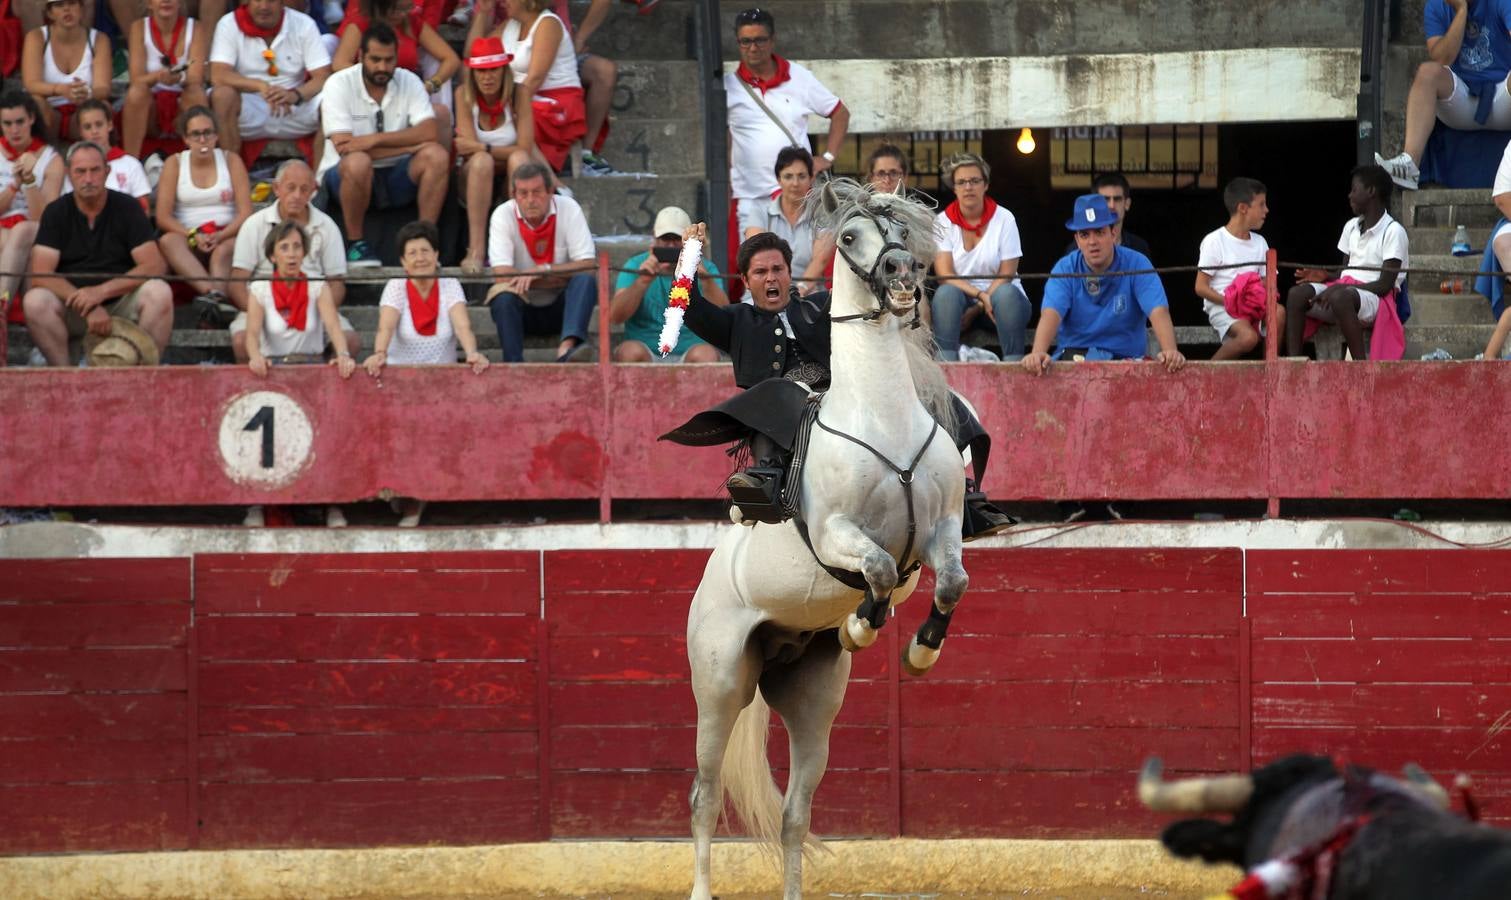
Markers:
(753, 41)
(378, 119)
(969, 182)
(889, 174)
(201, 135)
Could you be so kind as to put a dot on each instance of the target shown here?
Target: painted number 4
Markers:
(265, 439)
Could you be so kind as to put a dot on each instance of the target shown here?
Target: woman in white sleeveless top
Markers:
(168, 71)
(203, 196)
(489, 136)
(31, 175)
(545, 73)
(63, 63)
(421, 318)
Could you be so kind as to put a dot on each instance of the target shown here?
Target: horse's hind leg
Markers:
(845, 546)
(807, 694)
(725, 668)
(943, 556)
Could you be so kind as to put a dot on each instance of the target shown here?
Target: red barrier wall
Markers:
(362, 700)
(184, 436)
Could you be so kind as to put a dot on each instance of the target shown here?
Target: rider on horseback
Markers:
(781, 336)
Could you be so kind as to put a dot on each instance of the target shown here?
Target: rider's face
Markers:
(769, 280)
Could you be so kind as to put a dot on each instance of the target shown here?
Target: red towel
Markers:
(1245, 298)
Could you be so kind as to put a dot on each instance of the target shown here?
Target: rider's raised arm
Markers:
(714, 324)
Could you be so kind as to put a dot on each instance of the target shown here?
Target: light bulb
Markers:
(1026, 141)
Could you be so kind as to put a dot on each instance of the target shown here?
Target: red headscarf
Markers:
(252, 29)
(291, 297)
(952, 212)
(783, 74)
(424, 311)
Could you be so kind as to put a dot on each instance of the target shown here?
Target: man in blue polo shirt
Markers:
(1101, 316)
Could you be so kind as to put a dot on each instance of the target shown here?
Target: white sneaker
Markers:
(334, 517)
(254, 518)
(1401, 169)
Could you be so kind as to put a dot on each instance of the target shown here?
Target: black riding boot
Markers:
(981, 518)
(757, 490)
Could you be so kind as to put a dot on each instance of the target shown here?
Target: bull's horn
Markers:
(1418, 778)
(1222, 793)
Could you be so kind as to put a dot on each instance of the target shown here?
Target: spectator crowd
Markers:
(388, 116)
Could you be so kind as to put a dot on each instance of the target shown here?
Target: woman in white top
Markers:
(977, 238)
(289, 319)
(420, 320)
(488, 134)
(63, 63)
(203, 196)
(31, 175)
(167, 52)
(545, 71)
(786, 215)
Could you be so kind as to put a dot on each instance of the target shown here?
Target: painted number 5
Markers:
(265, 439)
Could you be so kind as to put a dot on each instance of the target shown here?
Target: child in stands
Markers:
(1234, 243)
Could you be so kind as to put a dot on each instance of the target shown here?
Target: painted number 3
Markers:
(265, 439)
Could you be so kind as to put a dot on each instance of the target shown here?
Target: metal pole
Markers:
(713, 195)
(1370, 108)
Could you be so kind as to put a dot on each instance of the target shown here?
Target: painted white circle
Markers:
(265, 439)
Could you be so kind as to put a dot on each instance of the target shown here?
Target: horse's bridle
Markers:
(871, 279)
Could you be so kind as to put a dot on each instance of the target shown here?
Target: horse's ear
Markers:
(829, 198)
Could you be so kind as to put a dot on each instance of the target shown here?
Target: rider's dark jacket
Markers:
(758, 342)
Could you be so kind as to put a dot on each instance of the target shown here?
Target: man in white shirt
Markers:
(542, 256)
(381, 145)
(1352, 300)
(267, 64)
(764, 81)
(294, 186)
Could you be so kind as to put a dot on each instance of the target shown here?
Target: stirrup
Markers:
(761, 502)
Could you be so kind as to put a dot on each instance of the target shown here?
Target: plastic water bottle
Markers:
(1456, 285)
(1461, 242)
(1436, 355)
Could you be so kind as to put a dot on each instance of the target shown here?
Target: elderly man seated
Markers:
(381, 141)
(267, 64)
(542, 256)
(94, 230)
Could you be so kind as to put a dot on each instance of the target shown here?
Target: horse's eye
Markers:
(849, 239)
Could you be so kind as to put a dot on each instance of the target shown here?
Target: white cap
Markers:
(671, 220)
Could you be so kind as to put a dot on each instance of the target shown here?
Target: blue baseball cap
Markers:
(1091, 212)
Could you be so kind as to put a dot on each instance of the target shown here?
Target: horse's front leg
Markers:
(942, 554)
(845, 546)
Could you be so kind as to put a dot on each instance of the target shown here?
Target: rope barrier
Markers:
(486, 277)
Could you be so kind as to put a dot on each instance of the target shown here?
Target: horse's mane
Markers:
(922, 354)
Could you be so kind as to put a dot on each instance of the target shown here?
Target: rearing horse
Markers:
(882, 490)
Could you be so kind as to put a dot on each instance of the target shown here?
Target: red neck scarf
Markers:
(492, 112)
(12, 154)
(113, 154)
(541, 242)
(952, 212)
(170, 49)
(424, 311)
(783, 74)
(252, 29)
(292, 299)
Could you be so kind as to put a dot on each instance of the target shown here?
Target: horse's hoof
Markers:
(856, 634)
(917, 659)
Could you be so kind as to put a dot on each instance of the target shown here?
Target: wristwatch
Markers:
(827, 155)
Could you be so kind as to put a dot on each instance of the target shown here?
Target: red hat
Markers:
(488, 53)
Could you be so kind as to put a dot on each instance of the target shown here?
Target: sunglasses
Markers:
(378, 120)
(751, 16)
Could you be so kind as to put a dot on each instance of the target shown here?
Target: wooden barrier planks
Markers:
(1064, 669)
(368, 699)
(1386, 657)
(94, 704)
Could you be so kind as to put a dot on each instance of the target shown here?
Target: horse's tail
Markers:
(747, 776)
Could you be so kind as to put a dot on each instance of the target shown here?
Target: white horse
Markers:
(767, 622)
